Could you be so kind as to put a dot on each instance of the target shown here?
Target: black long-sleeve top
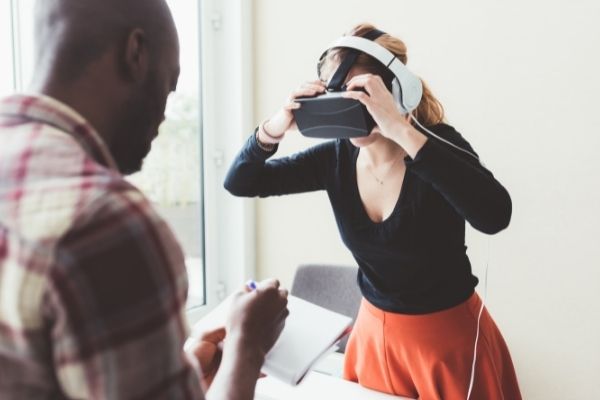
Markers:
(415, 261)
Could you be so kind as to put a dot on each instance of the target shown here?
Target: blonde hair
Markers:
(429, 111)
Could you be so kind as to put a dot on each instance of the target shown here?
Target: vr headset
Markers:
(332, 116)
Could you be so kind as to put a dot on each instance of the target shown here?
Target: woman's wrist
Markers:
(266, 136)
(409, 138)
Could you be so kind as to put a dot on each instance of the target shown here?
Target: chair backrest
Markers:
(330, 286)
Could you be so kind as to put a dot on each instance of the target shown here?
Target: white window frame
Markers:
(14, 22)
(227, 118)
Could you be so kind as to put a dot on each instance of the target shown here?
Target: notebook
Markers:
(310, 332)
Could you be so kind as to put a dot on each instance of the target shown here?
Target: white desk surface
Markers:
(317, 386)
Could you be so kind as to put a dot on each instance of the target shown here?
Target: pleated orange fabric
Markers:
(430, 356)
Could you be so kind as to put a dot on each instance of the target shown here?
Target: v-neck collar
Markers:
(359, 201)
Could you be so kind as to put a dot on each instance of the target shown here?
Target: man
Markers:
(92, 282)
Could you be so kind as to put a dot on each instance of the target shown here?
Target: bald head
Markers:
(113, 61)
(70, 34)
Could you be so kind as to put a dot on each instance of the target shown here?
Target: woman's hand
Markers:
(274, 129)
(382, 106)
(379, 102)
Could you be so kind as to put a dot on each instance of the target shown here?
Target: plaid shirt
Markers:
(92, 281)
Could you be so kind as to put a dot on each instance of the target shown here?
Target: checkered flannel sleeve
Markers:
(115, 305)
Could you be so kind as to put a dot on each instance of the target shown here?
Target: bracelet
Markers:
(264, 146)
(267, 134)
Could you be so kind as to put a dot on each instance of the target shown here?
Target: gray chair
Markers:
(330, 286)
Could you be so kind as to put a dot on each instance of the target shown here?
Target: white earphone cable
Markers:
(442, 139)
(487, 264)
(485, 289)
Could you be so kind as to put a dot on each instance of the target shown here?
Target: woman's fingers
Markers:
(356, 95)
(314, 86)
(318, 84)
(291, 106)
(283, 120)
(306, 92)
(309, 89)
(369, 82)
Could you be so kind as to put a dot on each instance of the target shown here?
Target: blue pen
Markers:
(251, 284)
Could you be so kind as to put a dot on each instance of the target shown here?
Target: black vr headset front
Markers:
(332, 116)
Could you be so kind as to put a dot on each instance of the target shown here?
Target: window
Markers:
(172, 173)
(171, 176)
(7, 67)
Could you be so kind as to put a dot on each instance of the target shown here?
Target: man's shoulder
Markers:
(121, 209)
(32, 136)
(60, 185)
(118, 199)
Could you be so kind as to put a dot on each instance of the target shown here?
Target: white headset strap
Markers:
(412, 89)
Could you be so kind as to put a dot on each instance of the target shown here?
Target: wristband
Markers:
(264, 146)
(261, 127)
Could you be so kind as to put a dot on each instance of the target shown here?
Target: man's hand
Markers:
(208, 353)
(255, 322)
(257, 317)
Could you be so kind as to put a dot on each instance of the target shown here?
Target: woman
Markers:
(400, 199)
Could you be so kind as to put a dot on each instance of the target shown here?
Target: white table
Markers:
(323, 383)
(317, 386)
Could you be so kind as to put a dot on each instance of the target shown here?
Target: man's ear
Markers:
(136, 58)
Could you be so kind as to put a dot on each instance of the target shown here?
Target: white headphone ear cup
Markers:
(396, 95)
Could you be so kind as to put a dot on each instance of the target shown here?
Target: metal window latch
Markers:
(219, 158)
(221, 291)
(216, 20)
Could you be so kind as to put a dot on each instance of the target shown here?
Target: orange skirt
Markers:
(430, 356)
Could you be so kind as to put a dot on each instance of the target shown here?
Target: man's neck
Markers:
(89, 105)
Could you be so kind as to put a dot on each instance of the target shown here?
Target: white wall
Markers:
(520, 80)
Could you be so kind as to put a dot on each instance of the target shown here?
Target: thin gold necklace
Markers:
(387, 171)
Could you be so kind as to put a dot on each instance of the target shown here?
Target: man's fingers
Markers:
(214, 336)
(268, 283)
